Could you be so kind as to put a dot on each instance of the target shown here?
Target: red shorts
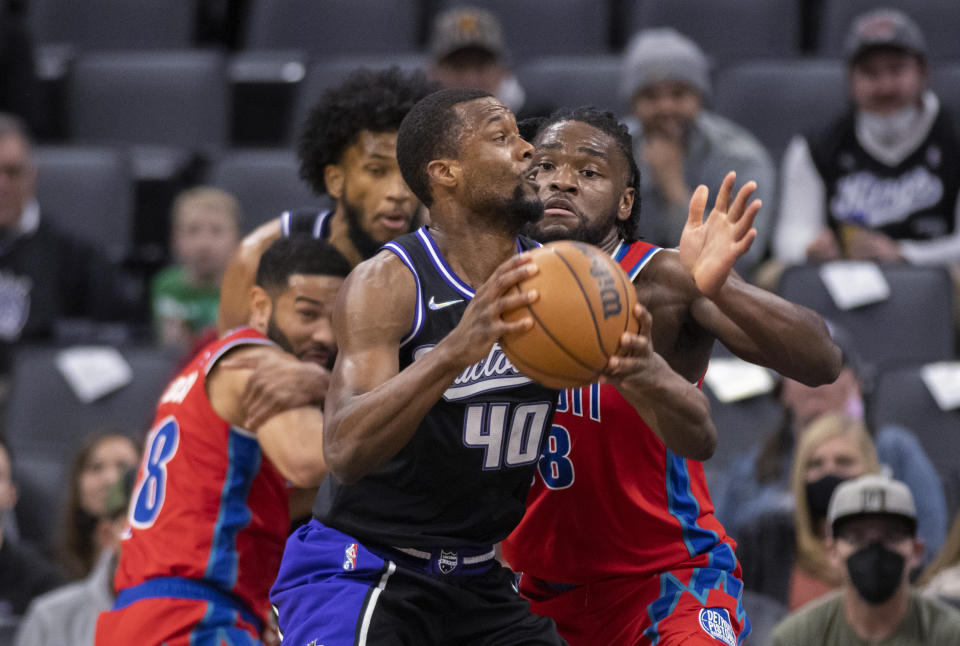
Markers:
(696, 607)
(175, 622)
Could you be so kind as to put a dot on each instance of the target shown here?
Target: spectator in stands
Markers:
(467, 50)
(680, 144)
(757, 484)
(45, 274)
(101, 461)
(24, 572)
(881, 182)
(68, 615)
(186, 295)
(872, 544)
(942, 577)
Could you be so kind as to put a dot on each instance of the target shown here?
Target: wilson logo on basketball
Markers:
(609, 294)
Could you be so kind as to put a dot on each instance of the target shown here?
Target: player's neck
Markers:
(473, 254)
(340, 238)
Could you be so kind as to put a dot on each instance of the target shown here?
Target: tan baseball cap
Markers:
(871, 495)
(463, 27)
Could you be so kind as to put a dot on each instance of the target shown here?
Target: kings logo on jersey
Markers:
(493, 372)
(447, 562)
(716, 623)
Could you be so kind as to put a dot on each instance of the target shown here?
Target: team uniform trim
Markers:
(418, 316)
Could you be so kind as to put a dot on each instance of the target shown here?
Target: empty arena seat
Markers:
(776, 99)
(900, 397)
(45, 418)
(534, 28)
(266, 182)
(335, 26)
(88, 192)
(933, 17)
(113, 24)
(327, 73)
(914, 324)
(567, 81)
(726, 30)
(945, 81)
(171, 98)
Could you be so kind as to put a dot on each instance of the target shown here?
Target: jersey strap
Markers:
(633, 257)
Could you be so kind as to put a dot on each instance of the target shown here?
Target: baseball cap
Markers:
(663, 54)
(884, 28)
(463, 27)
(870, 495)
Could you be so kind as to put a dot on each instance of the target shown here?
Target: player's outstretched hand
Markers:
(482, 323)
(279, 382)
(709, 248)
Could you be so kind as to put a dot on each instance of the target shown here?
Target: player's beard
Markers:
(275, 334)
(511, 214)
(363, 241)
(590, 232)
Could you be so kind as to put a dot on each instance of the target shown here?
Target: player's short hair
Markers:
(298, 255)
(374, 100)
(430, 131)
(606, 122)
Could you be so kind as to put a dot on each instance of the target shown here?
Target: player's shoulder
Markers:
(666, 273)
(384, 286)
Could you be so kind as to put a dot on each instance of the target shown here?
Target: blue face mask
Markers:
(876, 572)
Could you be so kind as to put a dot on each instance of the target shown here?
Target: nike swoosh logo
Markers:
(434, 305)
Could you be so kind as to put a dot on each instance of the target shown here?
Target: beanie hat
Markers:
(663, 54)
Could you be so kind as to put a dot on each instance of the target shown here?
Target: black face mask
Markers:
(818, 495)
(876, 572)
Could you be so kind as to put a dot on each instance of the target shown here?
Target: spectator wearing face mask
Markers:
(880, 183)
(872, 542)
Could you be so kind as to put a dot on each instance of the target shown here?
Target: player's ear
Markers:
(261, 307)
(333, 176)
(625, 206)
(445, 172)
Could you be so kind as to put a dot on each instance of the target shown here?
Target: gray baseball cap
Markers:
(871, 495)
(884, 28)
(463, 27)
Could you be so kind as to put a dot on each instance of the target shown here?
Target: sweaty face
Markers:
(496, 164)
(17, 177)
(839, 456)
(373, 188)
(886, 81)
(301, 320)
(667, 108)
(106, 464)
(582, 178)
(203, 239)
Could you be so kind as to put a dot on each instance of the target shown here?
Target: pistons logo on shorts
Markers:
(350, 557)
(716, 623)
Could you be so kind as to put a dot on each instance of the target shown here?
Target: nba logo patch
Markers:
(350, 557)
(716, 623)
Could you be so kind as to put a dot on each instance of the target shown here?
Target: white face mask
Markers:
(887, 129)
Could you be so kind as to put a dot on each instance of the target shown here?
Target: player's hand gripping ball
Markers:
(584, 308)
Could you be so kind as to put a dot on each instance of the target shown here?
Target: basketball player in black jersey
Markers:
(430, 434)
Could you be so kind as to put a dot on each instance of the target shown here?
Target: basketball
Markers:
(584, 308)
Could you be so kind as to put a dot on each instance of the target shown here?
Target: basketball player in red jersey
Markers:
(619, 544)
(208, 515)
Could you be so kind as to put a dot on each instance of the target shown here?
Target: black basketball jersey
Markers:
(463, 478)
(306, 222)
(914, 200)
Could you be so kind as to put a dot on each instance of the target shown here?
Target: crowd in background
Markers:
(877, 181)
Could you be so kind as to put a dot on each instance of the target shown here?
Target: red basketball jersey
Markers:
(609, 498)
(207, 504)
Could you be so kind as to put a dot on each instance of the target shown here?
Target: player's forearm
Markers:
(778, 334)
(676, 411)
(365, 430)
(293, 440)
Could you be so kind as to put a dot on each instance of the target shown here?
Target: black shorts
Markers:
(337, 592)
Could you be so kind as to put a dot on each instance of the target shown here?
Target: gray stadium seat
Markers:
(329, 72)
(945, 81)
(88, 191)
(765, 613)
(113, 24)
(726, 30)
(937, 19)
(740, 426)
(776, 99)
(914, 324)
(266, 182)
(163, 98)
(41, 486)
(335, 27)
(567, 81)
(900, 397)
(534, 28)
(45, 418)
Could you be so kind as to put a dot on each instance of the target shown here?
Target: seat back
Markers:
(571, 82)
(113, 24)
